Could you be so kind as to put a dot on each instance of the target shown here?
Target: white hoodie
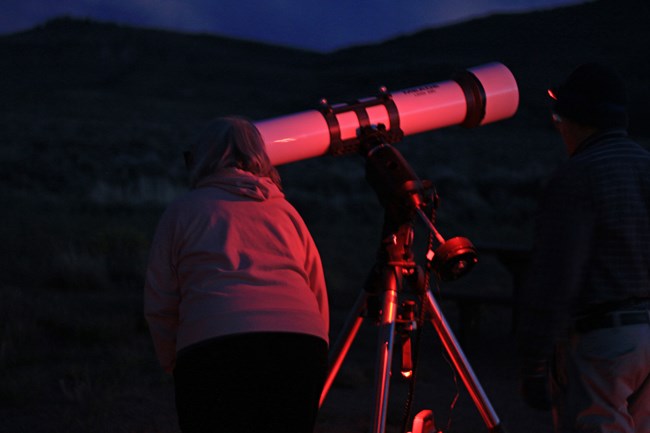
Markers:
(232, 256)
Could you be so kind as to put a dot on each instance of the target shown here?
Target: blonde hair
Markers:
(230, 142)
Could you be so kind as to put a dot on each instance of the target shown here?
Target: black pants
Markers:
(266, 382)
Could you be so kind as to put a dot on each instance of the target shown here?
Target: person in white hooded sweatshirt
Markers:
(235, 294)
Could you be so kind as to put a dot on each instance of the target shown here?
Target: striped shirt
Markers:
(593, 238)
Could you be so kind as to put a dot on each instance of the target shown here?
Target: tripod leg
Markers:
(385, 354)
(462, 365)
(344, 341)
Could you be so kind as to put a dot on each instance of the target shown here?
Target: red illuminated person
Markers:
(235, 295)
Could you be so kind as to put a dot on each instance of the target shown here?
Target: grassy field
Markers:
(76, 355)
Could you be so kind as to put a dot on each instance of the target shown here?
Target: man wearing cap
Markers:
(584, 329)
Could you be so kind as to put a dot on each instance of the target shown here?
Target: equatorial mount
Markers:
(403, 195)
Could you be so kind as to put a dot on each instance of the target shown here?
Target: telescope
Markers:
(368, 126)
(473, 97)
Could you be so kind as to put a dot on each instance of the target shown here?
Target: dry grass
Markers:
(76, 355)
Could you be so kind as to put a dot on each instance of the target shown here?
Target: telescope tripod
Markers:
(395, 278)
(403, 196)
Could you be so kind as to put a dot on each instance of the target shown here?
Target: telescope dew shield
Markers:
(477, 96)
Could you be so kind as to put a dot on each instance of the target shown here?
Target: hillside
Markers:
(93, 120)
(99, 113)
(539, 47)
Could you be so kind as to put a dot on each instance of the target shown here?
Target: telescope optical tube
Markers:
(475, 97)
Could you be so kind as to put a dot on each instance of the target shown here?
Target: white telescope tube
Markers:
(475, 97)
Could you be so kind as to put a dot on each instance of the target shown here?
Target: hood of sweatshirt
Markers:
(242, 183)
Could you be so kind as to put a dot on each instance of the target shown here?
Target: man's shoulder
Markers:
(607, 149)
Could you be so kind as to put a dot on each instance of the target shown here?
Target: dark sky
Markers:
(320, 25)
